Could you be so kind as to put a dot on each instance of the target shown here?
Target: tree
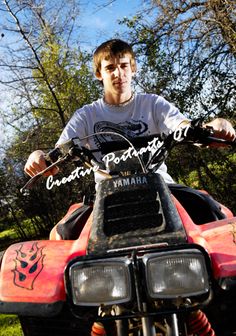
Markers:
(49, 79)
(73, 84)
(195, 45)
(32, 25)
(187, 54)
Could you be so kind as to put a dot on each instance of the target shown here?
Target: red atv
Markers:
(133, 262)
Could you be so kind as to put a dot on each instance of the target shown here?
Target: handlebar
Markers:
(72, 150)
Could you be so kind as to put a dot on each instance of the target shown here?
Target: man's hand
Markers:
(36, 163)
(222, 129)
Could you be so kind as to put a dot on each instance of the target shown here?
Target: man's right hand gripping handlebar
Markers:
(36, 163)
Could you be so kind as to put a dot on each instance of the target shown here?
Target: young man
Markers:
(121, 110)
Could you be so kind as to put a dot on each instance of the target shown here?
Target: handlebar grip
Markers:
(52, 156)
(69, 147)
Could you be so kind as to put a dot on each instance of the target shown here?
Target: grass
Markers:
(8, 233)
(7, 237)
(10, 236)
(10, 326)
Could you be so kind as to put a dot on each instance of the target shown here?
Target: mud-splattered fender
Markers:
(32, 273)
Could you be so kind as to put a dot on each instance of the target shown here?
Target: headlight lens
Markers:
(100, 282)
(176, 273)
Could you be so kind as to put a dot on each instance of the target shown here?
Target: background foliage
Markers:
(186, 52)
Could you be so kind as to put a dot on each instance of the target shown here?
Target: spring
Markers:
(198, 324)
(98, 329)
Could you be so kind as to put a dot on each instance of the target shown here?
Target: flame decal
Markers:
(28, 265)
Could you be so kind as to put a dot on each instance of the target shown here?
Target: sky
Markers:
(98, 22)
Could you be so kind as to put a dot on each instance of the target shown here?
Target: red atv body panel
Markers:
(218, 238)
(33, 271)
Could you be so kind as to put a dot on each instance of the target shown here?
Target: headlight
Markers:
(100, 281)
(176, 273)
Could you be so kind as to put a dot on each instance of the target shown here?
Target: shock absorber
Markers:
(98, 329)
(198, 324)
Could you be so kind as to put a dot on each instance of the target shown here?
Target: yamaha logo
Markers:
(137, 180)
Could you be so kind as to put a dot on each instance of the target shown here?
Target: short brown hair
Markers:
(112, 48)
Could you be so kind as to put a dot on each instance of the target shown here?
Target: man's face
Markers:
(116, 75)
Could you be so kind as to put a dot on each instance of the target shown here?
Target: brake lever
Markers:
(211, 140)
(29, 184)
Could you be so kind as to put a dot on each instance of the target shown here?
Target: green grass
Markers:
(10, 233)
(10, 326)
(7, 237)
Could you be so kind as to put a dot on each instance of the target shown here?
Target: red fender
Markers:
(218, 238)
(33, 271)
